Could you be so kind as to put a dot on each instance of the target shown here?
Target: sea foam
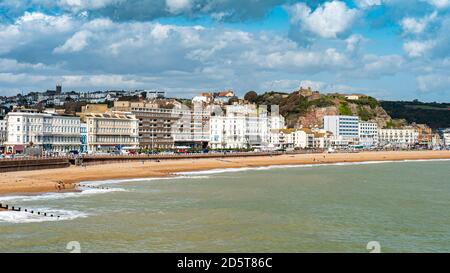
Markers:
(57, 195)
(243, 169)
(18, 217)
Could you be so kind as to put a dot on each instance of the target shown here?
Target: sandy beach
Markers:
(54, 180)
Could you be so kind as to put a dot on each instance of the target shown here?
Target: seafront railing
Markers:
(36, 163)
(28, 164)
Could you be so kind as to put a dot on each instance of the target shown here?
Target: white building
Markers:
(446, 138)
(53, 133)
(107, 132)
(368, 134)
(3, 131)
(243, 126)
(401, 138)
(354, 96)
(344, 128)
(303, 138)
(191, 127)
(154, 94)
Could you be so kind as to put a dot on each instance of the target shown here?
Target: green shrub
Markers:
(344, 109)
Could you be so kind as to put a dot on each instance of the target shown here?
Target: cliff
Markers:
(306, 107)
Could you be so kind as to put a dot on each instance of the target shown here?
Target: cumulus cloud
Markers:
(417, 25)
(353, 42)
(32, 27)
(176, 6)
(441, 4)
(418, 48)
(77, 5)
(327, 21)
(75, 43)
(385, 64)
(145, 10)
(101, 52)
(121, 44)
(368, 3)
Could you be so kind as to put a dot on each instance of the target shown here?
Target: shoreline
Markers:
(63, 180)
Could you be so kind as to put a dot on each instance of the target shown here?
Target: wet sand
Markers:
(54, 180)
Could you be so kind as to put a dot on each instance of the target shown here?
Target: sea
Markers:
(347, 207)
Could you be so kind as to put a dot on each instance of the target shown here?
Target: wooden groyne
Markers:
(91, 187)
(35, 212)
(15, 165)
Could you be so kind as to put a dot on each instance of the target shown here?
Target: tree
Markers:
(251, 96)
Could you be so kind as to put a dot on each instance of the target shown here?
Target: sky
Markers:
(389, 49)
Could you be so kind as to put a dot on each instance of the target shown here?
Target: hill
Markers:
(435, 115)
(307, 108)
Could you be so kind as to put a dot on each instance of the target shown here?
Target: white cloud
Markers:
(353, 42)
(386, 64)
(368, 3)
(100, 81)
(77, 5)
(417, 48)
(440, 4)
(177, 6)
(298, 60)
(434, 83)
(328, 20)
(76, 43)
(184, 59)
(11, 65)
(33, 26)
(417, 26)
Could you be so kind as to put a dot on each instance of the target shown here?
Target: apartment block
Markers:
(345, 128)
(401, 138)
(368, 134)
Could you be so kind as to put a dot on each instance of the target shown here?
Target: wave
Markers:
(57, 195)
(243, 169)
(18, 217)
(121, 181)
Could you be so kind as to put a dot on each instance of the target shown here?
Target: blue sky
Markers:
(390, 49)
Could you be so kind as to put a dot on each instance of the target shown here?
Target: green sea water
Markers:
(404, 206)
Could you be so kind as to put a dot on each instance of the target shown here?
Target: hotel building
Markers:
(243, 126)
(50, 132)
(107, 132)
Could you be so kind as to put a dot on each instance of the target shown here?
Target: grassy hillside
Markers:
(436, 115)
(307, 108)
